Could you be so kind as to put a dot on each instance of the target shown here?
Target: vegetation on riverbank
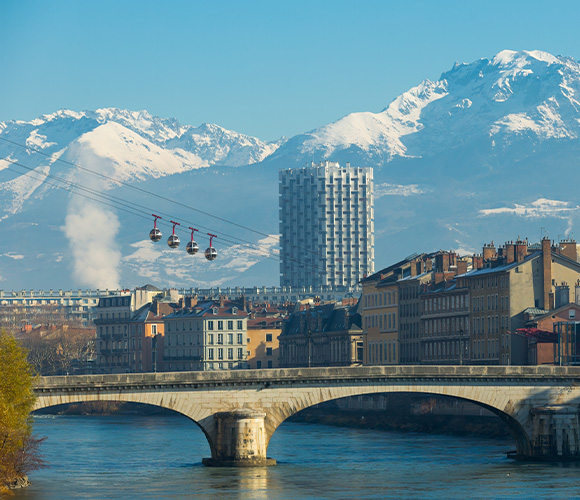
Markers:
(19, 448)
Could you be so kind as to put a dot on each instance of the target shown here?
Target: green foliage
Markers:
(17, 445)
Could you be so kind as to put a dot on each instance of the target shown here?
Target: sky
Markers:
(263, 68)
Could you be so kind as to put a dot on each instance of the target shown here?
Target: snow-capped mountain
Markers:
(491, 150)
(498, 101)
(120, 144)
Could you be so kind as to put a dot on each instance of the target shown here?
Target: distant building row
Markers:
(442, 309)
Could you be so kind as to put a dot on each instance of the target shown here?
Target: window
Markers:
(268, 337)
(240, 353)
(268, 351)
(258, 364)
(240, 338)
(269, 363)
(210, 325)
(220, 325)
(210, 354)
(210, 338)
(220, 353)
(230, 325)
(230, 338)
(240, 325)
(230, 353)
(220, 338)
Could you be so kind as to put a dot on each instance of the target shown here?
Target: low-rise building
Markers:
(146, 336)
(323, 335)
(209, 335)
(263, 344)
(410, 311)
(517, 278)
(445, 331)
(113, 317)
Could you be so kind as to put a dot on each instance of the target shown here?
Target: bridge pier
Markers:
(555, 433)
(239, 439)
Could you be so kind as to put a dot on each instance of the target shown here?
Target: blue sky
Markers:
(264, 68)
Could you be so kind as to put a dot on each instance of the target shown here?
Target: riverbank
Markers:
(454, 425)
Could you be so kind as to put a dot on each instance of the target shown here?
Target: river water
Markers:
(159, 457)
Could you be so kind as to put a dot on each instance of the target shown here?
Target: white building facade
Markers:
(210, 336)
(326, 225)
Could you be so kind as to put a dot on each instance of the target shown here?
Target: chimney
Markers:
(190, 301)
(489, 252)
(413, 268)
(222, 300)
(477, 262)
(547, 270)
(562, 295)
(461, 266)
(442, 262)
(568, 248)
(521, 250)
(510, 252)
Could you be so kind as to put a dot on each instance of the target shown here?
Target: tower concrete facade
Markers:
(326, 225)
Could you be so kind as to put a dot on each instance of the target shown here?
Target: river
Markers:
(159, 457)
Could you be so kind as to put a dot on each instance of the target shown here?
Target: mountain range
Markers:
(489, 151)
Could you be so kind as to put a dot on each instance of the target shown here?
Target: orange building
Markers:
(263, 346)
(146, 335)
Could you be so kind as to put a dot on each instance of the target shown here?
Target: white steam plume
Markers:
(91, 233)
(91, 228)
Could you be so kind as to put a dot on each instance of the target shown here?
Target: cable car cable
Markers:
(144, 191)
(118, 203)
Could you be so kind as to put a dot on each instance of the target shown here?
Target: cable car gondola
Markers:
(210, 252)
(173, 240)
(155, 233)
(192, 247)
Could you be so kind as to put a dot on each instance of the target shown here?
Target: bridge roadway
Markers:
(239, 411)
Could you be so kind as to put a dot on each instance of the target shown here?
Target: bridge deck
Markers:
(312, 375)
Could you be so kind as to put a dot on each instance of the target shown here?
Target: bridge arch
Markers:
(274, 419)
(47, 402)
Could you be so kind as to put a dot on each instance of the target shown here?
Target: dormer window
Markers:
(234, 310)
(214, 310)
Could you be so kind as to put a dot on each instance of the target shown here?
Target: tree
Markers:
(18, 447)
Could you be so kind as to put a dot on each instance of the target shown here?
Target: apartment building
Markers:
(113, 317)
(445, 325)
(520, 276)
(209, 335)
(326, 225)
(263, 344)
(322, 335)
(410, 314)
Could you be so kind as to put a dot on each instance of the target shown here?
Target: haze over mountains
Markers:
(491, 150)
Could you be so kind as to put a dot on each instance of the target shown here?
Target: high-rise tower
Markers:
(326, 225)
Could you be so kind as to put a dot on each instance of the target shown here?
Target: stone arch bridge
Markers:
(239, 411)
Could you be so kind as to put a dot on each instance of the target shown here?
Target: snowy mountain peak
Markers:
(521, 58)
(515, 95)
